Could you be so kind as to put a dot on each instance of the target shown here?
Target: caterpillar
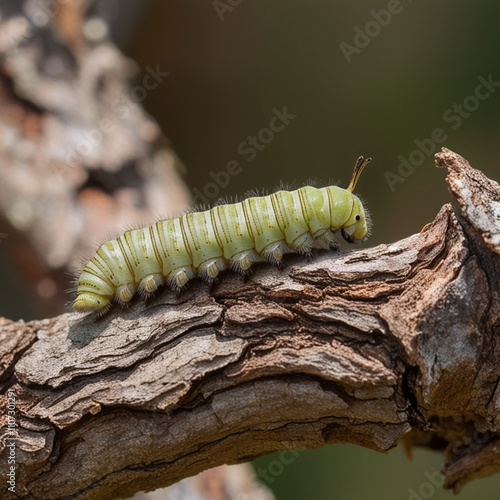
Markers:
(203, 244)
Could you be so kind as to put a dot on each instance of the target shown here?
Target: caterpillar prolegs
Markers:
(205, 243)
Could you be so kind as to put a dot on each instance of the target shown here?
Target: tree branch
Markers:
(361, 347)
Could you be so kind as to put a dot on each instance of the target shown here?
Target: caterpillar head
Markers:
(90, 301)
(356, 228)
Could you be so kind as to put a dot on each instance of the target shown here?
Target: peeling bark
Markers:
(363, 347)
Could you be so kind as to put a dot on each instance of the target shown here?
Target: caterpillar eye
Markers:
(358, 217)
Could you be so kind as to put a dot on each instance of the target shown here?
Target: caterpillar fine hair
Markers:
(205, 243)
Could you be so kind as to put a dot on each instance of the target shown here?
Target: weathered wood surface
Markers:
(362, 347)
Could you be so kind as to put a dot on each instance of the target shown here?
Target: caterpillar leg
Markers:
(327, 241)
(242, 262)
(274, 252)
(124, 293)
(303, 244)
(180, 277)
(210, 269)
(149, 284)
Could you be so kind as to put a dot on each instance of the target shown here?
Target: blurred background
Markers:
(262, 92)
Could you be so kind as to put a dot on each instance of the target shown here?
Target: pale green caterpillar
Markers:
(205, 243)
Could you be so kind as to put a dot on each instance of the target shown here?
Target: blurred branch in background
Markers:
(79, 156)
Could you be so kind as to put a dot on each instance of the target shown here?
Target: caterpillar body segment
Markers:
(259, 228)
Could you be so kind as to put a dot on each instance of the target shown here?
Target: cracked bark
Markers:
(364, 347)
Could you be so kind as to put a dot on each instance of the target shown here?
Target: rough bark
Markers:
(362, 347)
